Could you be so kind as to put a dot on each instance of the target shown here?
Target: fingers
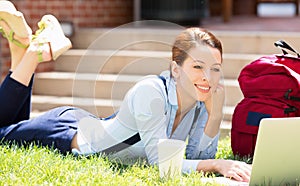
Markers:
(240, 172)
(219, 95)
(220, 88)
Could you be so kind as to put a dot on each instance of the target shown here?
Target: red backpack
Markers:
(271, 88)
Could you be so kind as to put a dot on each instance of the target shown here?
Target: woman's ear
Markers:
(174, 69)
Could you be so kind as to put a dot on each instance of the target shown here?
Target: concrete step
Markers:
(225, 129)
(104, 86)
(233, 63)
(86, 85)
(121, 38)
(233, 93)
(228, 112)
(260, 42)
(98, 107)
(136, 62)
(113, 62)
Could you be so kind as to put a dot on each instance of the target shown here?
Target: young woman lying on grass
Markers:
(185, 102)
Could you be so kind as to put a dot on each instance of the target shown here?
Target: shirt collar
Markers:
(171, 88)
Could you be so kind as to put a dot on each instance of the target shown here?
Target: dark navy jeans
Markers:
(15, 101)
(56, 128)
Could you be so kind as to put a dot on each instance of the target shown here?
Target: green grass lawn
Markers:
(41, 166)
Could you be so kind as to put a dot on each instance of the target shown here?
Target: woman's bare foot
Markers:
(17, 45)
(38, 51)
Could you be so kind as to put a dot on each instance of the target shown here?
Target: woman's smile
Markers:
(202, 88)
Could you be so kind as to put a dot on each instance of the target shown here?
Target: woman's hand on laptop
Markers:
(232, 169)
(237, 170)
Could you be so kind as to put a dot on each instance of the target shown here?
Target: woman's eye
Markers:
(216, 69)
(198, 67)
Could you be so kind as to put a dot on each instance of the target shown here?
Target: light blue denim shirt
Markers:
(149, 110)
(199, 146)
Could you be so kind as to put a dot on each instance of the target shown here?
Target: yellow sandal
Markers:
(10, 38)
(16, 22)
(50, 30)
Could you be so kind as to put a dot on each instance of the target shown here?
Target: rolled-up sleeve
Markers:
(189, 166)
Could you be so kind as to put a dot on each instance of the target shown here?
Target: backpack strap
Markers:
(289, 110)
(196, 114)
(164, 81)
(123, 145)
(293, 98)
(284, 46)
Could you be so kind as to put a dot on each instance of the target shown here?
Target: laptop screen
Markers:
(276, 159)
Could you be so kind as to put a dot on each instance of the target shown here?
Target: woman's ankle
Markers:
(16, 57)
(39, 51)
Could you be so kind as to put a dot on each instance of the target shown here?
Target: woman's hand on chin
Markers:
(214, 104)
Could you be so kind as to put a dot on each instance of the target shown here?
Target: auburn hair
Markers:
(190, 38)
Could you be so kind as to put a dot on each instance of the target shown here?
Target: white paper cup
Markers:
(170, 156)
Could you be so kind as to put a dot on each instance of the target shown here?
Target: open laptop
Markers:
(276, 159)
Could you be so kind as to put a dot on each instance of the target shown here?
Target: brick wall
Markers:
(83, 13)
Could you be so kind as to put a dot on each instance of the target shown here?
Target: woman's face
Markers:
(200, 73)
